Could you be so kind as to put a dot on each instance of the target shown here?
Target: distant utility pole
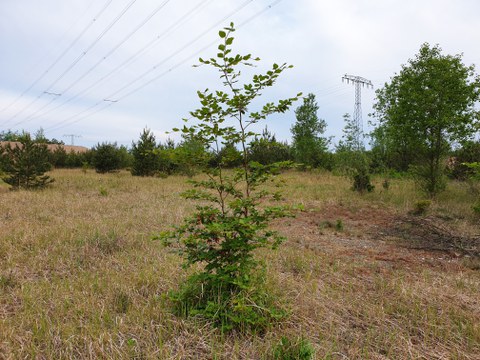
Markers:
(359, 82)
(72, 138)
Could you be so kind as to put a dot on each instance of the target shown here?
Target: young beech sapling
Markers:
(236, 206)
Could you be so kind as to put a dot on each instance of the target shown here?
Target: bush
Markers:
(421, 207)
(58, 157)
(361, 181)
(267, 150)
(109, 157)
(25, 165)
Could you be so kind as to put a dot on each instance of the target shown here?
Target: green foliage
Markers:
(25, 164)
(475, 167)
(231, 221)
(430, 177)
(10, 135)
(475, 178)
(457, 167)
(350, 153)
(228, 157)
(361, 181)
(103, 191)
(77, 160)
(267, 150)
(386, 184)
(246, 306)
(421, 207)
(476, 208)
(339, 225)
(352, 136)
(297, 349)
(145, 160)
(58, 157)
(309, 147)
(109, 157)
(424, 109)
(191, 155)
(351, 158)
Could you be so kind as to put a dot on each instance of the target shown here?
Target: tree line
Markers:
(426, 127)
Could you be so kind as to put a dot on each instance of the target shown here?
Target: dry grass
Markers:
(80, 276)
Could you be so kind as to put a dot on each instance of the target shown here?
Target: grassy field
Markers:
(81, 277)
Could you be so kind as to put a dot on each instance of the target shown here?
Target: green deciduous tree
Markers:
(231, 221)
(25, 164)
(309, 147)
(145, 159)
(425, 108)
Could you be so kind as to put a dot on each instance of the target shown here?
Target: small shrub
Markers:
(103, 191)
(361, 181)
(339, 225)
(245, 306)
(85, 167)
(386, 184)
(476, 208)
(327, 224)
(298, 349)
(421, 207)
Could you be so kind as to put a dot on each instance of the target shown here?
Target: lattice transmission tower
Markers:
(359, 82)
(72, 138)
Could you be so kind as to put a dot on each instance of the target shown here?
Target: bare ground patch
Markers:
(373, 292)
(379, 234)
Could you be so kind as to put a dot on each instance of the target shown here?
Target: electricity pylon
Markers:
(72, 137)
(359, 82)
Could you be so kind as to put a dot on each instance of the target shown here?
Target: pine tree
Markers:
(145, 160)
(25, 164)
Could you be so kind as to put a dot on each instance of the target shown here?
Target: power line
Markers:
(110, 99)
(178, 23)
(75, 62)
(125, 39)
(99, 37)
(59, 57)
(198, 37)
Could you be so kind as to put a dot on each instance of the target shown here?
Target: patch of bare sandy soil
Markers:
(379, 234)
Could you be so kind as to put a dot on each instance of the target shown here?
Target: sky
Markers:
(96, 71)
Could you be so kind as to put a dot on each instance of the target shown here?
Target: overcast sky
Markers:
(103, 70)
